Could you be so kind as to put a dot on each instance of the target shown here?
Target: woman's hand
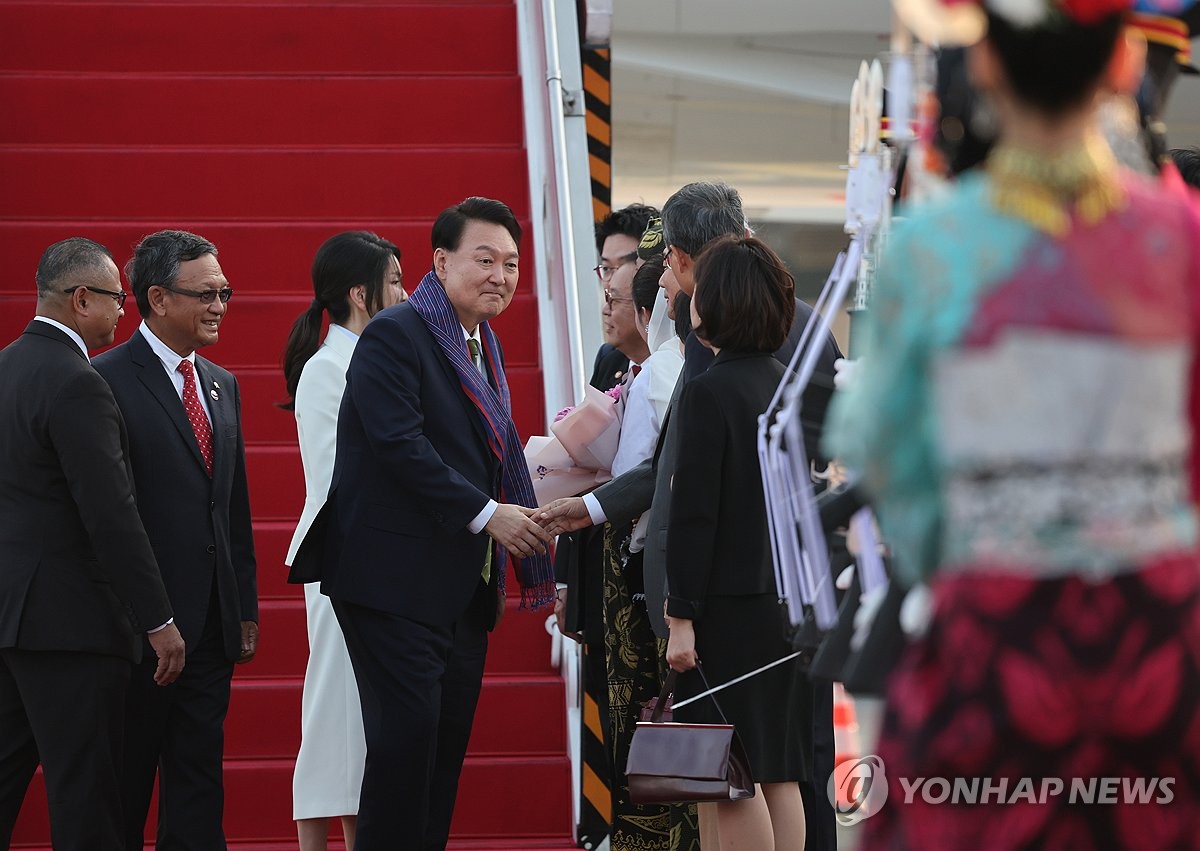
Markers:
(681, 646)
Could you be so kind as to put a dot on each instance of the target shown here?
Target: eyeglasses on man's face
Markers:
(605, 272)
(205, 296)
(118, 296)
(611, 299)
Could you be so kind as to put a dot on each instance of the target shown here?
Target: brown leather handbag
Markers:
(673, 763)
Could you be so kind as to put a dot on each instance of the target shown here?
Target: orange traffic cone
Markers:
(846, 744)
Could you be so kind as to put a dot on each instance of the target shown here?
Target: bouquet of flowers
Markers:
(579, 453)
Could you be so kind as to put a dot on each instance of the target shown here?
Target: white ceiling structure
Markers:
(756, 92)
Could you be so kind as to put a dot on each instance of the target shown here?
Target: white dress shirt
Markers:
(170, 362)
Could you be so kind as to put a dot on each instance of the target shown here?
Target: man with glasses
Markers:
(578, 564)
(189, 467)
(617, 236)
(78, 581)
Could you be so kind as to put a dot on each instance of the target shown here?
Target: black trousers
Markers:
(820, 821)
(419, 685)
(66, 710)
(177, 731)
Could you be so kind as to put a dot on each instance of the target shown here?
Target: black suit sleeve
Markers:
(241, 528)
(86, 430)
(384, 384)
(695, 500)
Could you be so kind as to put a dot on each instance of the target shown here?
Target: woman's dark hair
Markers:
(343, 262)
(744, 296)
(645, 289)
(1054, 67)
(452, 221)
(1187, 160)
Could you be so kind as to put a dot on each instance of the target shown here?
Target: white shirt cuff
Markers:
(482, 518)
(160, 628)
(594, 510)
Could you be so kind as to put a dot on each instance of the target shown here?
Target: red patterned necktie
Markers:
(196, 415)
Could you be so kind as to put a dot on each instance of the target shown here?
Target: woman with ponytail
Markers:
(355, 275)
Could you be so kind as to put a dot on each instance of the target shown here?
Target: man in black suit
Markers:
(430, 492)
(578, 566)
(78, 581)
(693, 217)
(579, 556)
(189, 467)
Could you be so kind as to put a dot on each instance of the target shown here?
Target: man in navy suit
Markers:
(78, 581)
(189, 467)
(430, 491)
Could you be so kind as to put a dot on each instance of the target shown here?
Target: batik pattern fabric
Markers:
(1024, 419)
(636, 663)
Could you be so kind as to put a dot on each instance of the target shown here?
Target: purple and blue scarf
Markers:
(536, 574)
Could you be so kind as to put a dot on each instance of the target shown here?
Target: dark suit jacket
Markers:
(199, 527)
(77, 572)
(611, 364)
(718, 543)
(413, 468)
(648, 486)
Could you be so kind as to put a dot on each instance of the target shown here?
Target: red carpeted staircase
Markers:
(268, 126)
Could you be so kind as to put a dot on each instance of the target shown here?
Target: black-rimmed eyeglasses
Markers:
(605, 272)
(205, 296)
(118, 296)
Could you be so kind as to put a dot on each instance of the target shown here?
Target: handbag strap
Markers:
(708, 688)
(668, 688)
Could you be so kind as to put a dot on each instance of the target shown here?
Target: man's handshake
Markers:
(563, 515)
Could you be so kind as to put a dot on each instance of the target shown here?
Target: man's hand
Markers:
(564, 515)
(249, 641)
(560, 616)
(169, 647)
(511, 527)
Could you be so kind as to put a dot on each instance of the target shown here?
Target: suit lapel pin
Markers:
(215, 395)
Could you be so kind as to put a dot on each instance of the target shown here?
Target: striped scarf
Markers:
(536, 574)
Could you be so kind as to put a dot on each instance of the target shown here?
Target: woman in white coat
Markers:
(355, 274)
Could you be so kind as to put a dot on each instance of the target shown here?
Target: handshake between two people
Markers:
(528, 531)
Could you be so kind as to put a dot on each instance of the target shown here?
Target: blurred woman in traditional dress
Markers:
(1024, 419)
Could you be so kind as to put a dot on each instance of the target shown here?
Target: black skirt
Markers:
(772, 711)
